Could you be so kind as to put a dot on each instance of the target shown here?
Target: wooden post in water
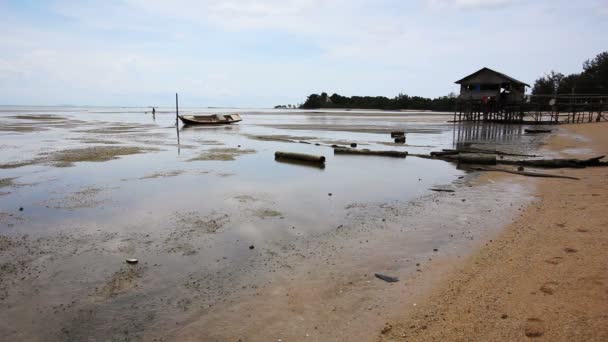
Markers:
(176, 110)
(176, 120)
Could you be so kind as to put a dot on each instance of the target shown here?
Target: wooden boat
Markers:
(533, 131)
(214, 119)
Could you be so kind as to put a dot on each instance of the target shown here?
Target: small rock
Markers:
(504, 316)
(520, 168)
(353, 145)
(435, 249)
(386, 329)
(132, 261)
(251, 247)
(533, 332)
(329, 194)
(20, 208)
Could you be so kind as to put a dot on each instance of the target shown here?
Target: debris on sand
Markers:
(221, 154)
(132, 261)
(386, 278)
(441, 190)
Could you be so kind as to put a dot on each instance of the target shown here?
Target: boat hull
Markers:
(210, 120)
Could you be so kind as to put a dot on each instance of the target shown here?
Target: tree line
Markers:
(401, 101)
(592, 80)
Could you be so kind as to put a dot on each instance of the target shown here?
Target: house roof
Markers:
(500, 74)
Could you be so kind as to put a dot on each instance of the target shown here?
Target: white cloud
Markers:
(360, 47)
(471, 4)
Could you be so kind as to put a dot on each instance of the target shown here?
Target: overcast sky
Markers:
(265, 52)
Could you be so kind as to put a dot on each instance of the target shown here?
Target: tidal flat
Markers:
(227, 238)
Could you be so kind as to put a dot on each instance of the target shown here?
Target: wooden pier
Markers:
(534, 110)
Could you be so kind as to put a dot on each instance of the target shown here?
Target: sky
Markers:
(261, 53)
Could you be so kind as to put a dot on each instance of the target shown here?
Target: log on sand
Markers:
(309, 158)
(473, 158)
(557, 163)
(365, 152)
(523, 173)
(480, 150)
(532, 131)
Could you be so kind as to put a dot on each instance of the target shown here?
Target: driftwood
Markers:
(557, 163)
(441, 190)
(398, 154)
(473, 158)
(479, 150)
(444, 153)
(537, 130)
(523, 173)
(309, 158)
(386, 278)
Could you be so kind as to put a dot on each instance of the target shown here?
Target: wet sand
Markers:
(544, 278)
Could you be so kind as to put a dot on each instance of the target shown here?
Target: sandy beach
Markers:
(544, 278)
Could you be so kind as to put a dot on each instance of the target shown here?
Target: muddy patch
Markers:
(280, 138)
(117, 129)
(20, 128)
(87, 197)
(6, 182)
(67, 158)
(266, 213)
(98, 141)
(120, 282)
(164, 174)
(245, 198)
(221, 154)
(188, 226)
(38, 117)
(207, 142)
(193, 221)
